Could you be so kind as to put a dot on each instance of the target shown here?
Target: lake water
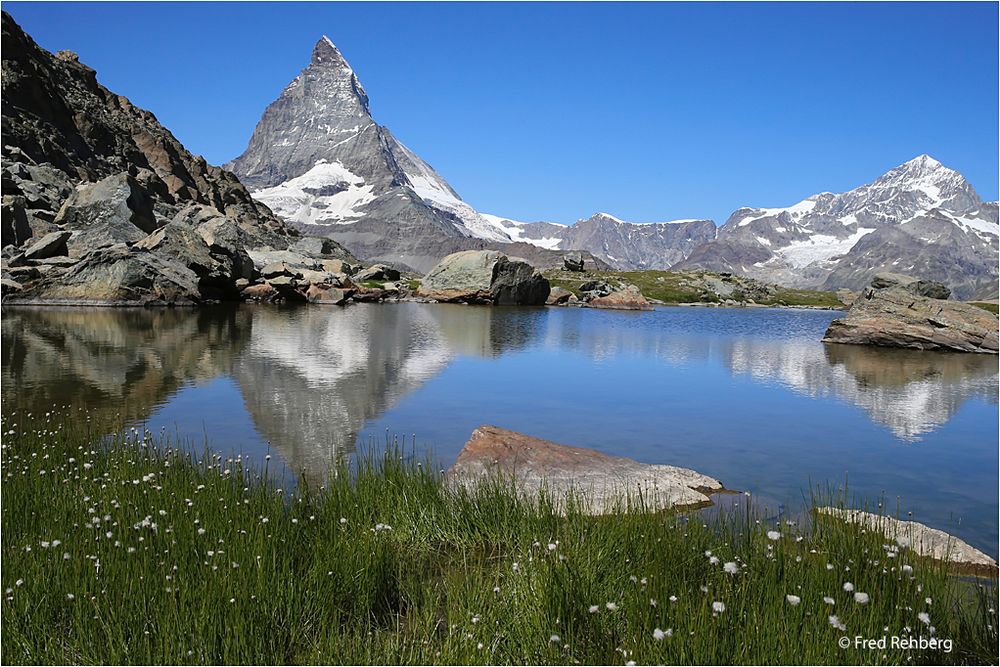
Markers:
(749, 396)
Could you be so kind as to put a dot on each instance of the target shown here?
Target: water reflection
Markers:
(311, 378)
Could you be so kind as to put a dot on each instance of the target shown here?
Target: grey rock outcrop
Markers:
(573, 262)
(897, 314)
(52, 244)
(596, 483)
(485, 276)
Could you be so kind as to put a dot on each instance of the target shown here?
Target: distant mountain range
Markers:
(319, 160)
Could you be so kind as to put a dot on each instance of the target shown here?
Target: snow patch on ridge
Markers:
(303, 199)
(820, 248)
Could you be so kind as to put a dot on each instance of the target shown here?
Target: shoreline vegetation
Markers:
(131, 549)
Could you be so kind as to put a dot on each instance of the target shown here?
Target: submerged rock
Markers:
(485, 276)
(894, 312)
(922, 539)
(600, 483)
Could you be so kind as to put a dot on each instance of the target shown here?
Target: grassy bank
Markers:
(675, 287)
(134, 552)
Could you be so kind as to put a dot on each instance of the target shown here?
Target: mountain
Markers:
(319, 160)
(920, 218)
(623, 245)
(101, 203)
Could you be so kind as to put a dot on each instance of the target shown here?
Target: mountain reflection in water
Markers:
(748, 396)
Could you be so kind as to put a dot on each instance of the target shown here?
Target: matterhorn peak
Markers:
(327, 54)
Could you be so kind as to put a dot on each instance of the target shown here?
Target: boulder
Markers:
(484, 276)
(929, 288)
(573, 261)
(50, 245)
(110, 211)
(846, 297)
(315, 245)
(259, 292)
(629, 298)
(9, 286)
(15, 227)
(923, 540)
(897, 315)
(376, 272)
(333, 295)
(594, 288)
(599, 483)
(337, 266)
(117, 275)
(558, 296)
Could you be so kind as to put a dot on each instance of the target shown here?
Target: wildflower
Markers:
(343, 521)
(928, 601)
(731, 567)
(476, 618)
(773, 535)
(829, 600)
(861, 598)
(264, 519)
(552, 547)
(835, 622)
(19, 582)
(201, 531)
(718, 607)
(70, 597)
(907, 569)
(713, 561)
(903, 541)
(659, 635)
(793, 600)
(555, 638)
(924, 617)
(611, 606)
(593, 608)
(479, 646)
(516, 567)
(673, 598)
(848, 587)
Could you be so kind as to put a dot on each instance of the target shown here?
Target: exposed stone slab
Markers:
(922, 539)
(602, 483)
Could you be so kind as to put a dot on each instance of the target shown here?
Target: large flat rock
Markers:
(601, 483)
(899, 315)
(922, 539)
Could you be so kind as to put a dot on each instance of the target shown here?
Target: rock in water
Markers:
(600, 483)
(921, 539)
(558, 296)
(485, 276)
(897, 315)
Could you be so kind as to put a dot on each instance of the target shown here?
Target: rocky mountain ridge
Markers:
(102, 204)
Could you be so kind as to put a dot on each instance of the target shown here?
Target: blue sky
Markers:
(555, 111)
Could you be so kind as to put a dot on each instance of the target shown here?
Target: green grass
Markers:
(681, 287)
(985, 305)
(174, 558)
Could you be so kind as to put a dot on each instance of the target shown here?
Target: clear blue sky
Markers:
(555, 111)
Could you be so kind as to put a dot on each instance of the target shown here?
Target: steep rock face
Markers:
(921, 217)
(622, 245)
(80, 159)
(321, 162)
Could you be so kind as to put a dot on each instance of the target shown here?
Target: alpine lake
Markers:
(749, 396)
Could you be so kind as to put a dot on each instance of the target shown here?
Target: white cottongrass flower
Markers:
(343, 521)
(861, 598)
(848, 587)
(829, 600)
(71, 597)
(552, 547)
(903, 541)
(718, 607)
(611, 606)
(713, 561)
(19, 582)
(773, 535)
(793, 600)
(928, 601)
(673, 598)
(907, 569)
(593, 608)
(835, 622)
(555, 638)
(924, 617)
(829, 566)
(660, 635)
(731, 568)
